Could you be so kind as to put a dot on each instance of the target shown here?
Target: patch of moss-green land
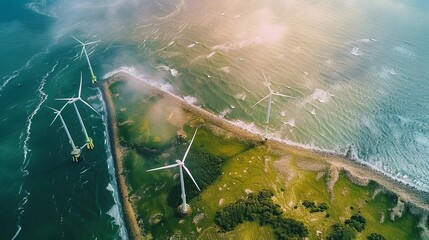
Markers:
(257, 190)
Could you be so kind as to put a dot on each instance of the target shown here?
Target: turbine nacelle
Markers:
(73, 99)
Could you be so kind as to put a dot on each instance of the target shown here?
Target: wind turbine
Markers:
(72, 100)
(93, 77)
(75, 151)
(184, 208)
(270, 98)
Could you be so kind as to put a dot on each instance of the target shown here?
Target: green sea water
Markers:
(357, 72)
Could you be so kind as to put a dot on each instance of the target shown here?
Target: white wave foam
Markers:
(241, 96)
(319, 95)
(16, 73)
(238, 44)
(386, 72)
(114, 213)
(224, 69)
(211, 55)
(43, 96)
(421, 139)
(291, 122)
(403, 51)
(224, 112)
(365, 40)
(126, 69)
(356, 51)
(190, 99)
(116, 210)
(174, 72)
(41, 8)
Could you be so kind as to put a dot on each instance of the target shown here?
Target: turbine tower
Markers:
(72, 100)
(184, 208)
(270, 98)
(93, 77)
(75, 151)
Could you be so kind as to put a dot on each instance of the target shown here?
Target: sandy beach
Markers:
(358, 172)
(117, 151)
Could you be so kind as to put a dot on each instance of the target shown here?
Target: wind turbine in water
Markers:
(270, 98)
(93, 77)
(73, 100)
(184, 208)
(75, 151)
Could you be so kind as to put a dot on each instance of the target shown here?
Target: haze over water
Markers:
(357, 72)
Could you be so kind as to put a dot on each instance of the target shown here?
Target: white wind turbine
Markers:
(72, 100)
(75, 151)
(184, 208)
(93, 77)
(270, 97)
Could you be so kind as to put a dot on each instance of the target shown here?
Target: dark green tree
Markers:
(375, 236)
(341, 232)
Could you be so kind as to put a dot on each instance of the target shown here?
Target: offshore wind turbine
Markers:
(184, 208)
(93, 77)
(270, 98)
(72, 100)
(75, 151)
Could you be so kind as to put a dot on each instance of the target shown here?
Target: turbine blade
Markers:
(80, 85)
(78, 40)
(87, 104)
(55, 118)
(266, 81)
(189, 147)
(83, 146)
(282, 95)
(57, 113)
(65, 105)
(55, 110)
(165, 167)
(190, 175)
(262, 99)
(81, 52)
(64, 99)
(92, 42)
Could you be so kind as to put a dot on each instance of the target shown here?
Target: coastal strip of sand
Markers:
(117, 151)
(358, 172)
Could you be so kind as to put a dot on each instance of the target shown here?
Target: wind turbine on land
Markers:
(75, 151)
(184, 208)
(270, 97)
(93, 77)
(89, 143)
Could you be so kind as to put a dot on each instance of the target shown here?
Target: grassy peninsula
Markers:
(251, 189)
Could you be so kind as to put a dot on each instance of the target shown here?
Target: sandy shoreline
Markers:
(358, 172)
(117, 152)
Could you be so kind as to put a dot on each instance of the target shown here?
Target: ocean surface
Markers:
(356, 70)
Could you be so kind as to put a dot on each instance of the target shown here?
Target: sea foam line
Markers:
(116, 212)
(26, 66)
(15, 73)
(43, 96)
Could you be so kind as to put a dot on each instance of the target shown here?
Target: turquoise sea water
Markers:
(357, 71)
